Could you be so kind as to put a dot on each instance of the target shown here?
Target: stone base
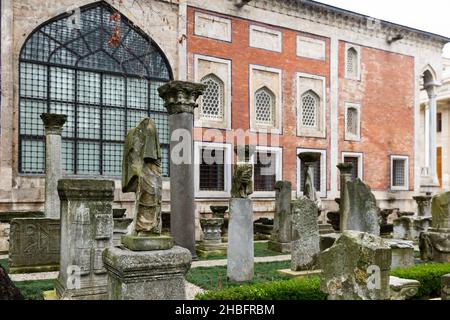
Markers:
(299, 274)
(402, 253)
(34, 269)
(146, 275)
(87, 290)
(211, 250)
(136, 243)
(435, 245)
(282, 247)
(410, 228)
(403, 289)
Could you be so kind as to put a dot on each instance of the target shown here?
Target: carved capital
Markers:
(53, 123)
(181, 96)
(345, 168)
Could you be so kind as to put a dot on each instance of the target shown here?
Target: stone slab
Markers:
(240, 241)
(299, 274)
(135, 243)
(146, 275)
(402, 253)
(403, 289)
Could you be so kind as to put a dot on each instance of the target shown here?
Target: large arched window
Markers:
(265, 107)
(213, 100)
(310, 105)
(104, 89)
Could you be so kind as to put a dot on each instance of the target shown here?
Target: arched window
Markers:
(352, 63)
(265, 107)
(104, 89)
(310, 105)
(213, 100)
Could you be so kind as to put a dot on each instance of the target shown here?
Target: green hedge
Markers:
(295, 289)
(429, 276)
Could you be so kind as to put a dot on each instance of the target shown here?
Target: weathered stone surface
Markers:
(240, 241)
(309, 190)
(410, 228)
(7, 216)
(305, 248)
(402, 253)
(219, 211)
(423, 206)
(328, 240)
(148, 243)
(344, 205)
(242, 185)
(181, 96)
(356, 267)
(403, 289)
(363, 213)
(4, 238)
(53, 124)
(120, 229)
(211, 245)
(34, 245)
(282, 226)
(8, 291)
(141, 174)
(148, 275)
(86, 230)
(440, 209)
(445, 288)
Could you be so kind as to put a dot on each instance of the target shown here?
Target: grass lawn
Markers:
(261, 250)
(213, 278)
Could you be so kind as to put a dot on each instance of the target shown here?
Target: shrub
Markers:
(295, 289)
(429, 276)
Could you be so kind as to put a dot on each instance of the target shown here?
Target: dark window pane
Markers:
(317, 170)
(212, 170)
(439, 122)
(265, 172)
(355, 162)
(398, 173)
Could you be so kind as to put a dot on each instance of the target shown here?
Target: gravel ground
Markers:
(223, 262)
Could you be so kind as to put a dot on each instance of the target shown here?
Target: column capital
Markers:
(309, 158)
(181, 96)
(431, 88)
(53, 123)
(345, 168)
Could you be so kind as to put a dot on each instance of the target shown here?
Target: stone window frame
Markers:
(323, 171)
(349, 136)
(272, 105)
(278, 33)
(254, 127)
(321, 130)
(302, 38)
(208, 123)
(348, 76)
(278, 152)
(228, 37)
(406, 186)
(360, 157)
(226, 147)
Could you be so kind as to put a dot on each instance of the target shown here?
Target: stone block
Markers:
(403, 289)
(240, 241)
(305, 248)
(146, 275)
(34, 245)
(356, 267)
(402, 253)
(282, 226)
(135, 243)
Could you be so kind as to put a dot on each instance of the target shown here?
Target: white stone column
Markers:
(432, 153)
(53, 124)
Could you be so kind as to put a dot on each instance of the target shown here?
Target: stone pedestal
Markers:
(435, 244)
(35, 245)
(445, 288)
(180, 100)
(211, 244)
(53, 124)
(240, 241)
(282, 226)
(402, 253)
(220, 212)
(403, 289)
(86, 230)
(146, 275)
(305, 248)
(410, 228)
(356, 267)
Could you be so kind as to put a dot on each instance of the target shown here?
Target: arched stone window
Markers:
(310, 114)
(352, 63)
(265, 107)
(104, 89)
(213, 100)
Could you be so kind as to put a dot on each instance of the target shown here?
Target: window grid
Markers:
(102, 101)
(265, 107)
(352, 121)
(398, 172)
(212, 170)
(352, 62)
(309, 109)
(212, 105)
(264, 172)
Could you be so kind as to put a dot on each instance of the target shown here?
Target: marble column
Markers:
(180, 100)
(431, 89)
(344, 208)
(53, 124)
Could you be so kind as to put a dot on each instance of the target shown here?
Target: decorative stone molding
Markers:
(80, 189)
(53, 123)
(181, 96)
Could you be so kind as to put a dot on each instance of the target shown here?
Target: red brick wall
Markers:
(386, 95)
